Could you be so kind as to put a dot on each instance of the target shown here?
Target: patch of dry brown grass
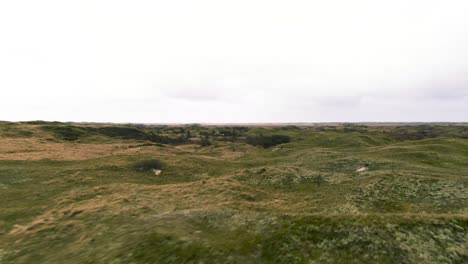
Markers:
(36, 149)
(143, 200)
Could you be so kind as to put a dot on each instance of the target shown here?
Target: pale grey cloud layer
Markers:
(234, 61)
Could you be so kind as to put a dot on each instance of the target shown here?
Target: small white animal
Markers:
(361, 169)
(157, 172)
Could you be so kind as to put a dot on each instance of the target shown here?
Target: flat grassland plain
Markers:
(86, 193)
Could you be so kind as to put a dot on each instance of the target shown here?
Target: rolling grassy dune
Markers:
(69, 194)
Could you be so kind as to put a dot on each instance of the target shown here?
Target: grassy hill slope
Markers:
(70, 194)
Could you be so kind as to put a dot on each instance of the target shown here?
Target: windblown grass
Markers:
(69, 194)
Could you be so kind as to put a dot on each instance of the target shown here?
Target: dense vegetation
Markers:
(168, 135)
(148, 165)
(267, 141)
(85, 193)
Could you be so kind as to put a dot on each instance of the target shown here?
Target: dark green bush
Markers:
(147, 165)
(69, 133)
(122, 132)
(268, 141)
(205, 141)
(157, 138)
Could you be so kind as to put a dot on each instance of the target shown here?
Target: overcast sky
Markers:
(234, 61)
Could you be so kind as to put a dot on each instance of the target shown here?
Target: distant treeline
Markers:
(168, 135)
(256, 136)
(71, 133)
(401, 133)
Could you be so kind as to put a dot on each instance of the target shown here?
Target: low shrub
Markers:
(69, 133)
(147, 165)
(162, 139)
(123, 132)
(205, 142)
(268, 141)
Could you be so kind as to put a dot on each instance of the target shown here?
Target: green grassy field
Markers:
(70, 193)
